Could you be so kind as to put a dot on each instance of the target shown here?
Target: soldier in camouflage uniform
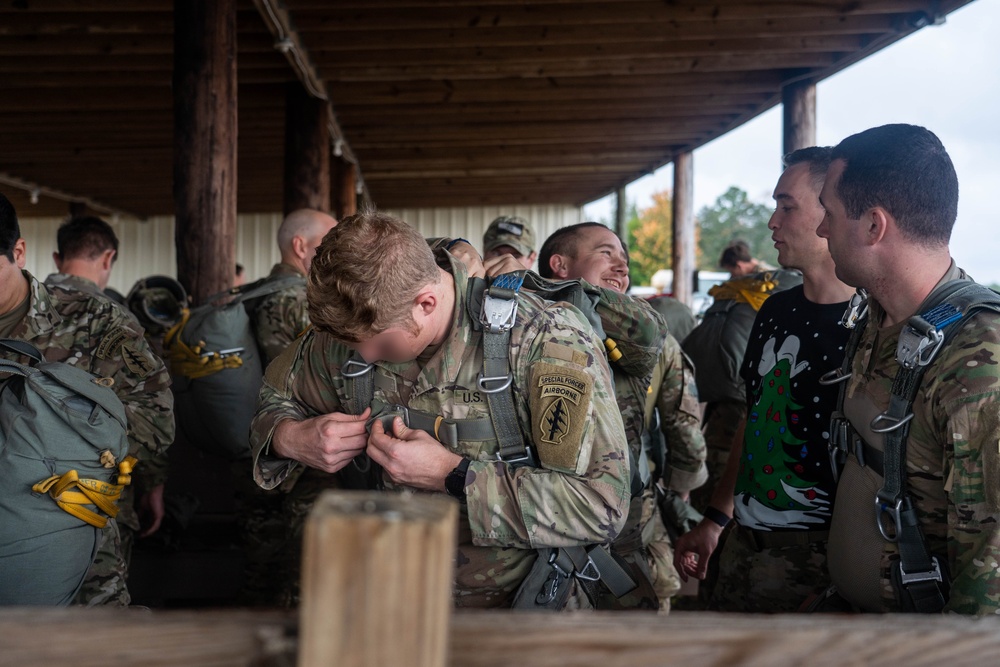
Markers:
(375, 288)
(277, 320)
(95, 334)
(86, 250)
(594, 253)
(510, 235)
(778, 485)
(891, 199)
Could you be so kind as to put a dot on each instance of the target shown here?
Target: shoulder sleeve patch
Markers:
(559, 401)
(136, 360)
(111, 341)
(556, 351)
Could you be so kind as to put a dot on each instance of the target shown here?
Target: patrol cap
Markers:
(510, 230)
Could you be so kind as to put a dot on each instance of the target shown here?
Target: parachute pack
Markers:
(65, 462)
(216, 368)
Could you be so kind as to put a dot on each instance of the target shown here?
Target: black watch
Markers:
(454, 483)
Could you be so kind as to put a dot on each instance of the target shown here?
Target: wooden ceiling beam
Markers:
(106, 45)
(101, 64)
(126, 20)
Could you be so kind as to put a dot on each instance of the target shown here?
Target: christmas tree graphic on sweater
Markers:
(770, 489)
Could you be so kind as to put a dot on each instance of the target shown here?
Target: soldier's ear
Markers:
(560, 266)
(878, 221)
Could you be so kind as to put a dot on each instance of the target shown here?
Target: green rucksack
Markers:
(217, 370)
(64, 456)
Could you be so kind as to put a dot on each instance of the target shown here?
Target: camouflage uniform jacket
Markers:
(952, 466)
(578, 496)
(97, 335)
(280, 318)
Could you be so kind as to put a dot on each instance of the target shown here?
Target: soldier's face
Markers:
(11, 280)
(599, 259)
(796, 216)
(844, 235)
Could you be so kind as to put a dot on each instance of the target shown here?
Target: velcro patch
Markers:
(560, 403)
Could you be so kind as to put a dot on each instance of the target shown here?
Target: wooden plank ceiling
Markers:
(443, 103)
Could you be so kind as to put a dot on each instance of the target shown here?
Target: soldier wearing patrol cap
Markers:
(377, 290)
(510, 235)
(94, 334)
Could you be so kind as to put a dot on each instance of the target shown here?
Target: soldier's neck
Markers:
(14, 297)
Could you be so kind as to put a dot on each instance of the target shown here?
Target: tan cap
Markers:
(510, 230)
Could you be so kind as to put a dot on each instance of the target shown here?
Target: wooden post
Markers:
(683, 237)
(377, 574)
(205, 144)
(621, 224)
(798, 101)
(344, 188)
(307, 151)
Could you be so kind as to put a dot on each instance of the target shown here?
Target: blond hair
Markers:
(366, 275)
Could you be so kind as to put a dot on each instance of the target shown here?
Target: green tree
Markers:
(734, 216)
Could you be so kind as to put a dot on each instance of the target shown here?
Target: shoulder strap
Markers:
(257, 288)
(23, 348)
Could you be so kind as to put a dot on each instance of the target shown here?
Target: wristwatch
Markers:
(454, 483)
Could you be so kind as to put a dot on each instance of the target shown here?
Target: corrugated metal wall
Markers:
(147, 248)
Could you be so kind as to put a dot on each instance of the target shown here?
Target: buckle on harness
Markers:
(934, 574)
(525, 458)
(882, 507)
(589, 571)
(500, 303)
(894, 422)
(856, 310)
(918, 346)
(483, 382)
(353, 374)
(840, 432)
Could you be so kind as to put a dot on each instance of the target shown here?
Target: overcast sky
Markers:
(946, 78)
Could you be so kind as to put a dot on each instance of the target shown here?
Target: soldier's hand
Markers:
(151, 510)
(410, 456)
(467, 255)
(327, 442)
(693, 549)
(501, 264)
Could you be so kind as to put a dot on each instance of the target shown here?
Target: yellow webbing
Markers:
(745, 290)
(103, 495)
(190, 361)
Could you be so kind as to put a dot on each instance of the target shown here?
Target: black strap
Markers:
(22, 348)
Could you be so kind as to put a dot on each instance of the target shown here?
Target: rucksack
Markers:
(64, 456)
(718, 344)
(216, 368)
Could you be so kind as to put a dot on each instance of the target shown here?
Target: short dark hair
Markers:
(817, 157)
(563, 242)
(85, 238)
(736, 251)
(10, 231)
(906, 170)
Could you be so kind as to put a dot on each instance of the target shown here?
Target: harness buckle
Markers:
(882, 507)
(386, 415)
(483, 382)
(500, 303)
(856, 310)
(894, 422)
(354, 362)
(917, 347)
(934, 574)
(550, 588)
(839, 435)
(525, 458)
(589, 571)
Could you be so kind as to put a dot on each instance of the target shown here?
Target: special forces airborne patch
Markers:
(560, 403)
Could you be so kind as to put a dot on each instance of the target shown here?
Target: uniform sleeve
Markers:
(278, 320)
(680, 420)
(298, 385)
(142, 383)
(579, 495)
(974, 505)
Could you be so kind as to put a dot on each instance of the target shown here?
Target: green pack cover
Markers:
(217, 370)
(54, 418)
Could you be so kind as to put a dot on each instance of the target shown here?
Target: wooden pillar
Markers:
(377, 573)
(621, 223)
(343, 190)
(307, 151)
(798, 101)
(683, 237)
(205, 144)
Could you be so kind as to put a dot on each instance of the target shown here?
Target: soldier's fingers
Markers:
(344, 417)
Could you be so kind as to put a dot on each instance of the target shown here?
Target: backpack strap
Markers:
(22, 348)
(920, 581)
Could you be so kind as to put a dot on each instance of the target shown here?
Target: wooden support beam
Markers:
(343, 188)
(307, 151)
(205, 144)
(683, 262)
(376, 580)
(798, 101)
(621, 215)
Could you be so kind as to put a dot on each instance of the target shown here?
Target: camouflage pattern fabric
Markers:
(499, 528)
(279, 318)
(722, 420)
(680, 419)
(96, 334)
(952, 467)
(768, 580)
(678, 316)
(105, 584)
